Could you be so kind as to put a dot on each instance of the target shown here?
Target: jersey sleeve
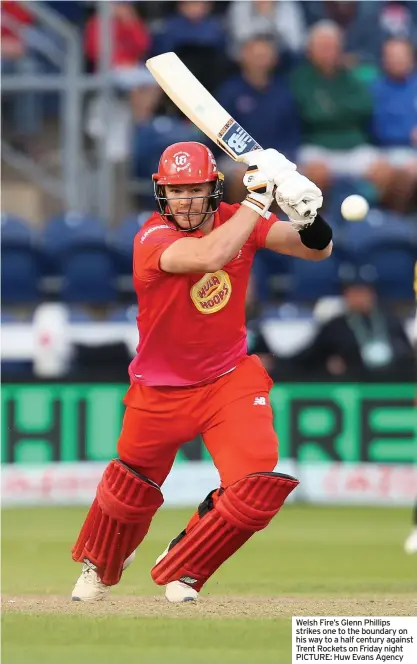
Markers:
(262, 229)
(149, 245)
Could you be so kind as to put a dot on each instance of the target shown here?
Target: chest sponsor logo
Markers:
(212, 292)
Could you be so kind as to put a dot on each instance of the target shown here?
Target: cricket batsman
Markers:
(192, 374)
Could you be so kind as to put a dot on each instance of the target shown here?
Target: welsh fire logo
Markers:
(212, 292)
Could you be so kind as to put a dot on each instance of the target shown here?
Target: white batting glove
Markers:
(275, 166)
(260, 190)
(300, 199)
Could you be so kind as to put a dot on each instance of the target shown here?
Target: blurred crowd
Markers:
(332, 85)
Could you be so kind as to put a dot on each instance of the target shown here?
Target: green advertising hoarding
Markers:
(314, 422)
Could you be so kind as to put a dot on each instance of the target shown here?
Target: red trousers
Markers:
(232, 413)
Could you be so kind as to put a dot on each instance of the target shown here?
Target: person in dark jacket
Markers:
(365, 342)
(259, 98)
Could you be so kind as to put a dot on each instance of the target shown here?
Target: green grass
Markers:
(327, 552)
(148, 640)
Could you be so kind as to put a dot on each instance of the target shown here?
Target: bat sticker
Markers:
(238, 140)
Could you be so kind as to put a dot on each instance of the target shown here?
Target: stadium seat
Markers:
(311, 280)
(387, 242)
(77, 248)
(67, 229)
(379, 228)
(270, 273)
(20, 262)
(122, 240)
(88, 275)
(394, 268)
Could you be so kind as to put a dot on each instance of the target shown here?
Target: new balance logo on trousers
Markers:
(259, 401)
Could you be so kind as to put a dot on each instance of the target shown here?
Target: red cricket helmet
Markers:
(188, 163)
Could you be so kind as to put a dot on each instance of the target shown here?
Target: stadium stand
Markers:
(77, 258)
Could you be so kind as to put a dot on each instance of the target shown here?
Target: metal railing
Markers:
(73, 187)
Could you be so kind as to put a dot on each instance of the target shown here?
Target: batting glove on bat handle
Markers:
(260, 190)
(300, 199)
(272, 163)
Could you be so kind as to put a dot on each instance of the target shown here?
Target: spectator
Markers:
(394, 95)
(26, 112)
(363, 343)
(335, 111)
(366, 25)
(13, 19)
(395, 118)
(398, 20)
(283, 20)
(261, 101)
(198, 38)
(131, 43)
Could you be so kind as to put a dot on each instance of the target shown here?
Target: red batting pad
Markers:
(118, 520)
(245, 507)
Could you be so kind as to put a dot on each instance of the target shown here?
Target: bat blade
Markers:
(199, 105)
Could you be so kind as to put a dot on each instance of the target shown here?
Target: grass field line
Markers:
(216, 606)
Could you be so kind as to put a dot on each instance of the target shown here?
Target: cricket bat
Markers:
(199, 105)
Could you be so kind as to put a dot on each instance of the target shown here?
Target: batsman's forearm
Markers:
(222, 244)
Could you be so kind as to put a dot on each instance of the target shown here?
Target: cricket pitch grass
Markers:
(309, 561)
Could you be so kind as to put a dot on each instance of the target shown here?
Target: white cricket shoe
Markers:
(89, 587)
(177, 591)
(410, 544)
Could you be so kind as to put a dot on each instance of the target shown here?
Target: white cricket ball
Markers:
(354, 208)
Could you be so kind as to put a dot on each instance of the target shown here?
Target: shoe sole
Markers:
(89, 599)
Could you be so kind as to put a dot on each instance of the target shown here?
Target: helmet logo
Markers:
(181, 160)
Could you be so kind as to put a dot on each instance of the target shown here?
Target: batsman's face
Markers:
(188, 203)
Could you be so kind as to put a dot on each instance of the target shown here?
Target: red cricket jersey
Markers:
(191, 326)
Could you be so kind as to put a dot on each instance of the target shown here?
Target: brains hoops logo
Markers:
(181, 160)
(212, 292)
